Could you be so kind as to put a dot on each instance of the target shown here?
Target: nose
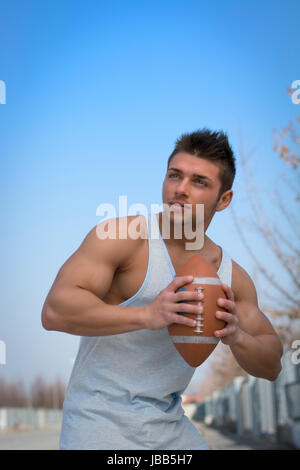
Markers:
(182, 188)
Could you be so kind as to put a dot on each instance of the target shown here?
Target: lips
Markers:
(176, 202)
(183, 205)
(179, 207)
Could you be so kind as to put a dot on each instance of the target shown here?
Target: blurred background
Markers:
(96, 94)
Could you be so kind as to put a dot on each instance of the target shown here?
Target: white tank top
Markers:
(125, 390)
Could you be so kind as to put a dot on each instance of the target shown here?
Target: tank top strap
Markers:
(160, 244)
(225, 269)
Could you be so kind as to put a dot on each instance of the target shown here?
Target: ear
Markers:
(224, 200)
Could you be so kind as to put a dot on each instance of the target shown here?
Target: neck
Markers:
(200, 241)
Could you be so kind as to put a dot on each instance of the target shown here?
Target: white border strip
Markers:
(206, 280)
(196, 339)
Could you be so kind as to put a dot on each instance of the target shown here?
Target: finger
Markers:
(228, 330)
(182, 320)
(227, 304)
(187, 308)
(227, 317)
(228, 291)
(179, 281)
(186, 296)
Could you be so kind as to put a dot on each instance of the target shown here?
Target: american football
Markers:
(196, 344)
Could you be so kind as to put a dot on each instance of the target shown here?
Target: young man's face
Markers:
(193, 180)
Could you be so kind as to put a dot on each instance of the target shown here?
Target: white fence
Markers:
(28, 418)
(259, 407)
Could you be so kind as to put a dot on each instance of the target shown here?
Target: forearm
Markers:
(258, 355)
(79, 312)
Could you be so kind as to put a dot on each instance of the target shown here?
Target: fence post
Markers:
(3, 419)
(237, 384)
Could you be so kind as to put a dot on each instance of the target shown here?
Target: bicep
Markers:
(93, 265)
(254, 322)
(251, 318)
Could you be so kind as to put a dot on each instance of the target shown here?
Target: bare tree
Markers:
(280, 235)
(13, 394)
(40, 395)
(58, 394)
(45, 395)
(221, 370)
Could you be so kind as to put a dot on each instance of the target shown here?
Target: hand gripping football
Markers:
(196, 344)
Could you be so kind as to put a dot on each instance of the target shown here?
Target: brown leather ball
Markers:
(195, 344)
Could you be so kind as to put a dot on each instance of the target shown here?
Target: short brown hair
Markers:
(213, 146)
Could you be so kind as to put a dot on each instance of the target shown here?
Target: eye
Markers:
(198, 180)
(172, 174)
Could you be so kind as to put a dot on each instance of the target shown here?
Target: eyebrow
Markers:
(198, 176)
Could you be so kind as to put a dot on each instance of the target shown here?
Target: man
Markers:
(120, 294)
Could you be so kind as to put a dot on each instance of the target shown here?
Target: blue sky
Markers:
(97, 92)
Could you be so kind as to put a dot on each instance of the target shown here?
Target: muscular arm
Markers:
(250, 335)
(74, 304)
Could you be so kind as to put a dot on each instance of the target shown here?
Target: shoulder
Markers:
(131, 227)
(242, 285)
(118, 237)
